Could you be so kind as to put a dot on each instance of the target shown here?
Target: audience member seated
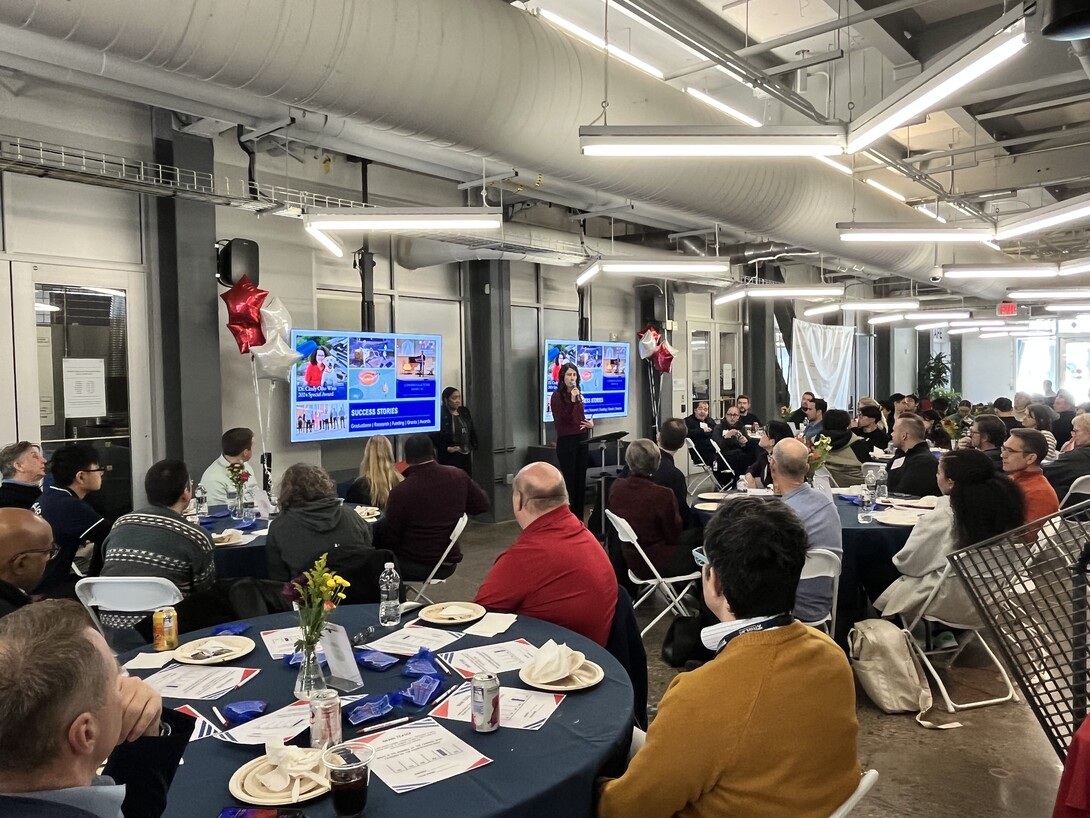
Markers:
(700, 427)
(759, 475)
(422, 511)
(768, 727)
(912, 469)
(976, 504)
(671, 438)
(237, 446)
(912, 404)
(814, 598)
(987, 435)
(1004, 410)
(937, 436)
(652, 512)
(897, 401)
(1070, 466)
(23, 468)
(556, 570)
(745, 415)
(888, 415)
(1022, 454)
(869, 425)
(377, 474)
(845, 459)
(26, 547)
(312, 522)
(815, 418)
(731, 437)
(76, 473)
(157, 541)
(1020, 405)
(798, 417)
(941, 405)
(962, 418)
(1039, 417)
(66, 706)
(1064, 406)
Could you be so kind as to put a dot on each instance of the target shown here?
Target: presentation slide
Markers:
(356, 384)
(603, 375)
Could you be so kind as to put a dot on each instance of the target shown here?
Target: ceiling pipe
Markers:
(1082, 51)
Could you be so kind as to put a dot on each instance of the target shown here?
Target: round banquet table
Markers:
(546, 772)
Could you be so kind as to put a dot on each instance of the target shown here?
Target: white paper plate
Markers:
(900, 502)
(241, 645)
(713, 507)
(247, 789)
(586, 675)
(434, 613)
(898, 516)
(714, 495)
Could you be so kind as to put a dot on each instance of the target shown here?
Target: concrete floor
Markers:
(998, 764)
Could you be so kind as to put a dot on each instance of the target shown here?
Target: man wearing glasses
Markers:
(767, 727)
(1022, 454)
(26, 547)
(76, 473)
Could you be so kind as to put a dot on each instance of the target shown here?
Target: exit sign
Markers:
(1005, 309)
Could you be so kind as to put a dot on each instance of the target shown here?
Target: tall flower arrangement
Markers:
(819, 450)
(239, 477)
(315, 594)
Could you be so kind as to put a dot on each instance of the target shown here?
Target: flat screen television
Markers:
(358, 384)
(603, 375)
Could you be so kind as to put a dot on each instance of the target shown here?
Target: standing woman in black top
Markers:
(456, 438)
(571, 426)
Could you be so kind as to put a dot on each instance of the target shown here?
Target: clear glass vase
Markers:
(310, 677)
(234, 502)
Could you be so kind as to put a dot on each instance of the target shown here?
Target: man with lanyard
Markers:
(776, 704)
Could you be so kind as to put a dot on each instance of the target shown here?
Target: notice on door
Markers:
(84, 387)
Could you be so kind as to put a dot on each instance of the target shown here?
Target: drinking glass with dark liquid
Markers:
(348, 766)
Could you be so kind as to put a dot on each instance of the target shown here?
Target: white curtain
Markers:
(821, 362)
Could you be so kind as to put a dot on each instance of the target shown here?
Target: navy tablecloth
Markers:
(548, 772)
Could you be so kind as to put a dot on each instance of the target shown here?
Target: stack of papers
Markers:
(493, 624)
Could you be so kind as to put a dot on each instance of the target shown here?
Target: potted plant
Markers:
(933, 375)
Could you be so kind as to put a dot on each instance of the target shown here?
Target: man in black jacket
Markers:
(26, 546)
(987, 435)
(1070, 466)
(914, 469)
(672, 433)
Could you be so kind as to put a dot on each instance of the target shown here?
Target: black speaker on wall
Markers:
(1065, 19)
(237, 258)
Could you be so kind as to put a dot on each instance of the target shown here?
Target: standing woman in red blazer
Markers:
(566, 404)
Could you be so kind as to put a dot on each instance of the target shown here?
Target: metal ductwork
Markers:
(1082, 51)
(438, 86)
(1065, 19)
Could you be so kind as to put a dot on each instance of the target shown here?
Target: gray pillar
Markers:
(759, 358)
(186, 304)
(883, 356)
(488, 346)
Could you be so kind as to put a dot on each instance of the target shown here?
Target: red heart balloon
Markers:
(246, 336)
(244, 302)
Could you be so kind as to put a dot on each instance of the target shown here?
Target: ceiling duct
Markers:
(442, 85)
(1065, 19)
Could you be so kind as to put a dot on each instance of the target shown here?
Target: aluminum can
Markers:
(325, 718)
(485, 689)
(164, 628)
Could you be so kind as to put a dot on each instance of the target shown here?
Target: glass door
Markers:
(81, 371)
(1075, 367)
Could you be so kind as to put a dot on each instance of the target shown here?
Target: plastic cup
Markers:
(348, 766)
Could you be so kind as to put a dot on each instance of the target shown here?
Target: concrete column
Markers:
(759, 357)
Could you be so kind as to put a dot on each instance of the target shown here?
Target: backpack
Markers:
(888, 671)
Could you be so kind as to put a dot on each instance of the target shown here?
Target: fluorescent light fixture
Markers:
(1046, 295)
(40, 307)
(671, 140)
(934, 325)
(885, 319)
(880, 305)
(824, 309)
(891, 193)
(387, 219)
(1012, 270)
(330, 243)
(1045, 217)
(779, 291)
(598, 42)
(894, 232)
(1033, 333)
(962, 330)
(1068, 307)
(993, 245)
(933, 86)
(938, 315)
(589, 272)
(1003, 334)
(733, 295)
(930, 213)
(835, 165)
(658, 267)
(978, 322)
(1075, 266)
(724, 108)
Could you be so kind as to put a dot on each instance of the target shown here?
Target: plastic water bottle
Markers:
(200, 497)
(389, 607)
(881, 490)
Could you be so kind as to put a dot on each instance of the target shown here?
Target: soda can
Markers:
(164, 628)
(325, 718)
(485, 689)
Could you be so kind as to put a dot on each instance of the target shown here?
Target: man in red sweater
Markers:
(556, 570)
(1022, 454)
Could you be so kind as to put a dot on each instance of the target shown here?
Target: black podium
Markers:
(604, 473)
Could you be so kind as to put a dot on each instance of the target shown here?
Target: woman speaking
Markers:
(566, 404)
(457, 438)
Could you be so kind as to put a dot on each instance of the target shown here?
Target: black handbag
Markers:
(682, 644)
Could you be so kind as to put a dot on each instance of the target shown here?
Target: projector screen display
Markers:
(357, 384)
(603, 375)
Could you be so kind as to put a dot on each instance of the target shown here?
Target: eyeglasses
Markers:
(52, 551)
(732, 414)
(93, 471)
(1009, 450)
(700, 557)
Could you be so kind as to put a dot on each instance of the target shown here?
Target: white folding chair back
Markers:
(664, 585)
(821, 562)
(126, 594)
(459, 527)
(1080, 486)
(722, 459)
(705, 469)
(866, 784)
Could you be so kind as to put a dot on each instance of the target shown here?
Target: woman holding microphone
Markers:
(566, 405)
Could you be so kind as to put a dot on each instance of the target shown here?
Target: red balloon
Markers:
(244, 302)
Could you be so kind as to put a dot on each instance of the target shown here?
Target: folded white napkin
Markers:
(491, 624)
(291, 766)
(552, 663)
(231, 536)
(455, 610)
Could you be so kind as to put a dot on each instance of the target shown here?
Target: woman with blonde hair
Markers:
(377, 474)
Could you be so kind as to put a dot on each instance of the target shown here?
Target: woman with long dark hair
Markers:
(937, 436)
(572, 425)
(759, 475)
(977, 503)
(457, 438)
(1039, 417)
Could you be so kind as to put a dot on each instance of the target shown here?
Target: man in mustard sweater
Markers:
(767, 729)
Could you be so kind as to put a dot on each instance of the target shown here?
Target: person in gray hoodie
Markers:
(313, 522)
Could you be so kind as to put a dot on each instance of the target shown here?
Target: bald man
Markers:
(26, 546)
(556, 570)
(814, 598)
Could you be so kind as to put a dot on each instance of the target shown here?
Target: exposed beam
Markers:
(796, 65)
(1059, 102)
(886, 44)
(1020, 88)
(1041, 136)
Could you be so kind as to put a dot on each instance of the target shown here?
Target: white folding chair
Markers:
(821, 562)
(866, 784)
(128, 594)
(705, 469)
(726, 466)
(664, 585)
(459, 527)
(1080, 486)
(927, 650)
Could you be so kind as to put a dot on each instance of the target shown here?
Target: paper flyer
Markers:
(420, 753)
(519, 709)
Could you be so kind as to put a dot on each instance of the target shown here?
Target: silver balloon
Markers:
(275, 319)
(274, 359)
